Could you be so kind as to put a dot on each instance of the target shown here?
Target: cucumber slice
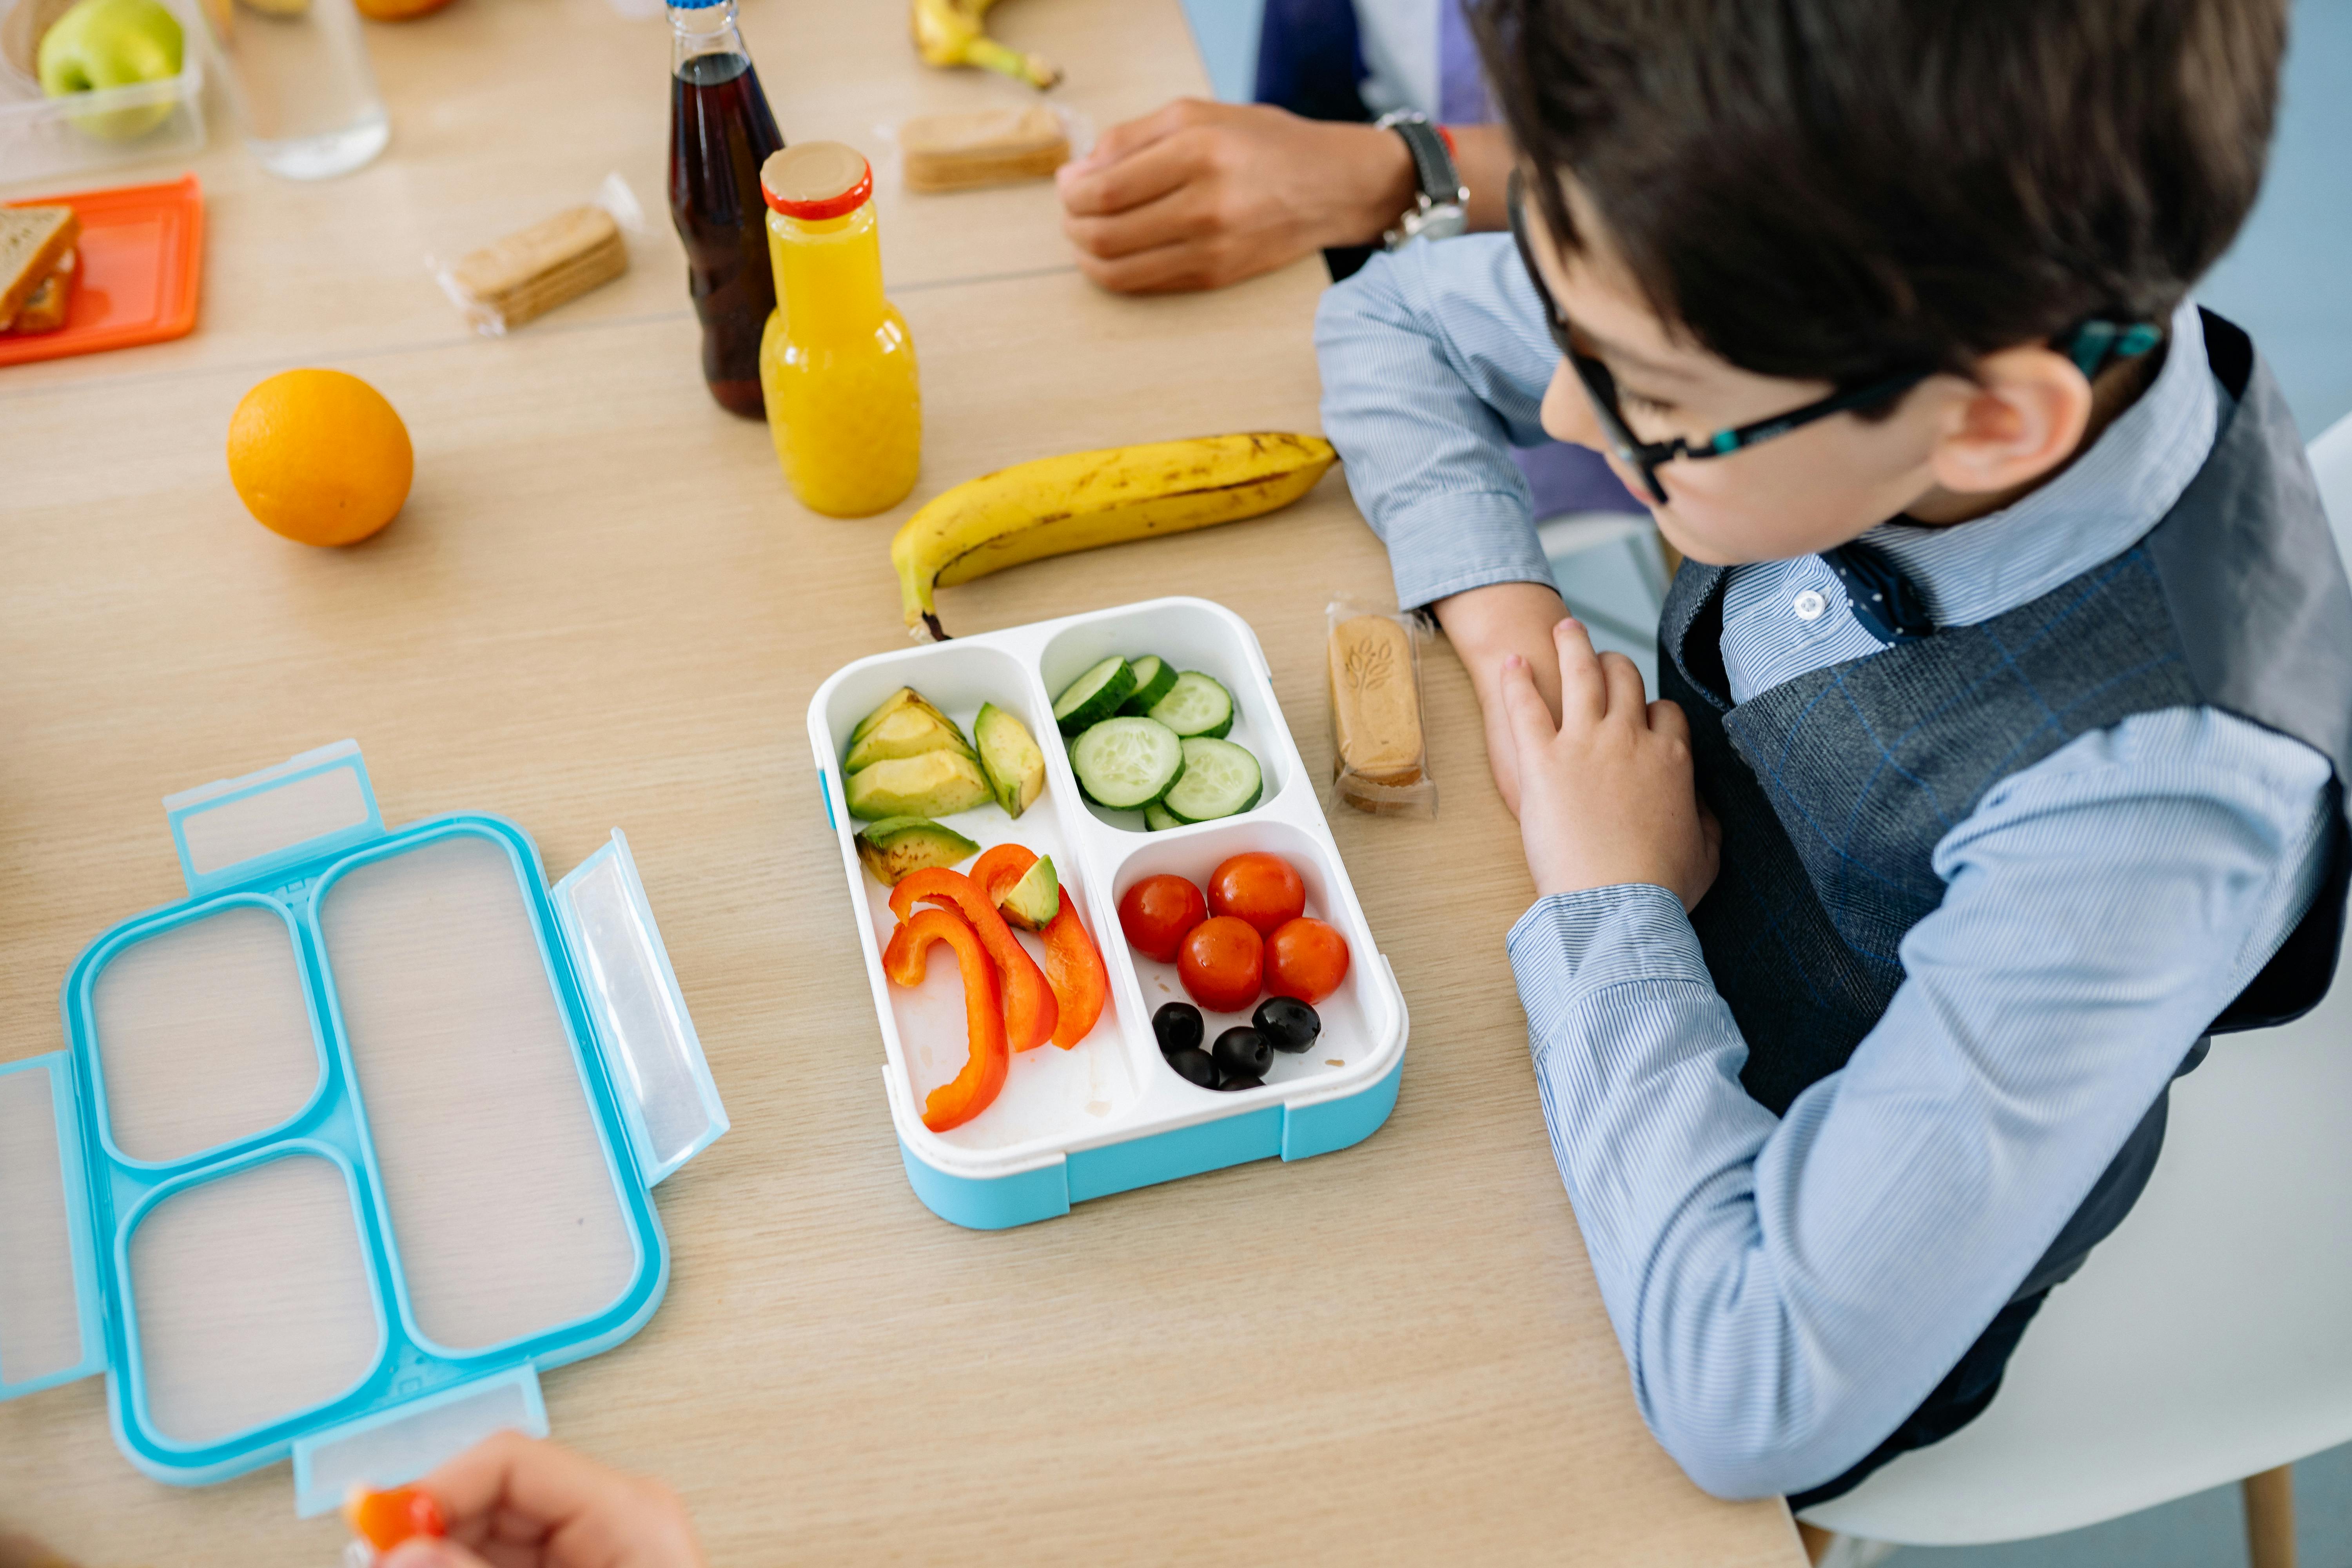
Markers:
(1094, 695)
(1125, 764)
(1195, 705)
(1156, 818)
(1220, 779)
(1153, 677)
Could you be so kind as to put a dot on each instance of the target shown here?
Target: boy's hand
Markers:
(1606, 796)
(512, 1502)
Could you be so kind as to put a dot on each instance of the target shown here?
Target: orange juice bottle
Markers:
(836, 362)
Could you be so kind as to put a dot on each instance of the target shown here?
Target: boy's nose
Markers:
(1567, 412)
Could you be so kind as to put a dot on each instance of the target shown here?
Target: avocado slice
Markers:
(1009, 757)
(905, 696)
(897, 847)
(936, 783)
(1035, 898)
(907, 730)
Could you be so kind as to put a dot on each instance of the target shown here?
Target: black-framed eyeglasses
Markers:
(1601, 386)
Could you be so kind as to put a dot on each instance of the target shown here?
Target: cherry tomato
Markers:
(385, 1518)
(1305, 959)
(1221, 964)
(1156, 913)
(1258, 888)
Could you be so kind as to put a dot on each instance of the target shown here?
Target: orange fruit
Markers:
(319, 457)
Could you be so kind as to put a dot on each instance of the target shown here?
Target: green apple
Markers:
(101, 44)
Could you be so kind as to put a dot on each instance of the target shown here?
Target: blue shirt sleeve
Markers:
(1787, 1290)
(1434, 361)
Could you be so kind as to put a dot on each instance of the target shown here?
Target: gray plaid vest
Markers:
(1834, 788)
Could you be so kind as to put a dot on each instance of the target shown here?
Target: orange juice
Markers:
(836, 366)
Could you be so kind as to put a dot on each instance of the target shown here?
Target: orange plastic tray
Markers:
(142, 253)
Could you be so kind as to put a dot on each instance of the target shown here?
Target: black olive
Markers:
(1291, 1025)
(1178, 1027)
(1194, 1066)
(1243, 1053)
(1245, 1082)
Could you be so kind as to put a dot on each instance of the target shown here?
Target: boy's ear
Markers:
(2020, 419)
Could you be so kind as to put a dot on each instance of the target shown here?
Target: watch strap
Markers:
(1432, 161)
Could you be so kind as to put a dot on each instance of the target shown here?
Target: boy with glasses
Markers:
(2008, 681)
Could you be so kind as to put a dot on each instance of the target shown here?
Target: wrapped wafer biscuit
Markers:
(1379, 755)
(531, 272)
(981, 147)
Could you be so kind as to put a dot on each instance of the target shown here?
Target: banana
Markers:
(948, 32)
(1058, 505)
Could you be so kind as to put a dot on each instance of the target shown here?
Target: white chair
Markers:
(2210, 1339)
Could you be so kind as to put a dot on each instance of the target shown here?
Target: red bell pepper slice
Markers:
(975, 1089)
(1073, 965)
(1030, 1010)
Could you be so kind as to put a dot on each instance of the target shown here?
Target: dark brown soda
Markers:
(721, 133)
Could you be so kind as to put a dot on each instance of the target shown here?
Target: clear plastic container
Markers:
(304, 89)
(44, 138)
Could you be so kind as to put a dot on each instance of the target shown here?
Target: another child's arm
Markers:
(516, 1502)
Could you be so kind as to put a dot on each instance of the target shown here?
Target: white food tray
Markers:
(1109, 1114)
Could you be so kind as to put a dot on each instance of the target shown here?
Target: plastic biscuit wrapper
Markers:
(971, 149)
(530, 272)
(1379, 753)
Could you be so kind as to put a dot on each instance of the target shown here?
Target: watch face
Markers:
(1441, 222)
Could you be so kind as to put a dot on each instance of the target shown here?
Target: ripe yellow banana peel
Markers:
(1055, 506)
(950, 33)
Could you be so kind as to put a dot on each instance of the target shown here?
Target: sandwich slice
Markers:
(33, 241)
(45, 310)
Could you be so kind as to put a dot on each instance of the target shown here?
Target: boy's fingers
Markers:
(1626, 696)
(1667, 718)
(1583, 689)
(1523, 707)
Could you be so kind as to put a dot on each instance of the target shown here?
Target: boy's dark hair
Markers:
(1838, 189)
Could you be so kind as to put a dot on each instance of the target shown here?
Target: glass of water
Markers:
(298, 74)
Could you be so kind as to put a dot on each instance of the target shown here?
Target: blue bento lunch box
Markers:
(1109, 1114)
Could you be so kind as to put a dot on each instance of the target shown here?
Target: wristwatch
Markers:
(1441, 206)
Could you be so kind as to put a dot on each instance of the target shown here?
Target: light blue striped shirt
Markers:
(1787, 1289)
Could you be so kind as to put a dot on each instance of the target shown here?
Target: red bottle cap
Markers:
(816, 180)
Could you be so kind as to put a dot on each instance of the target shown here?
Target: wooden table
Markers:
(602, 606)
